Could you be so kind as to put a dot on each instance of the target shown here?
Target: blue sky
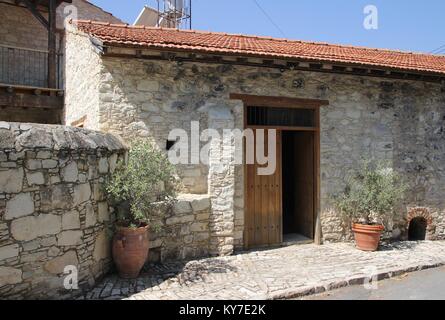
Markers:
(411, 25)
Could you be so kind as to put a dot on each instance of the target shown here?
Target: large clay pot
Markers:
(367, 237)
(130, 250)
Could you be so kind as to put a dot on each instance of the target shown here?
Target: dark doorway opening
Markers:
(417, 229)
(298, 185)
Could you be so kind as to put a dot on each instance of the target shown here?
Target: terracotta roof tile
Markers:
(221, 43)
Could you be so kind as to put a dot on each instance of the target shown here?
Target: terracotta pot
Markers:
(130, 250)
(367, 237)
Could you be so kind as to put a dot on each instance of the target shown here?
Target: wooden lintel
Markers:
(23, 100)
(286, 102)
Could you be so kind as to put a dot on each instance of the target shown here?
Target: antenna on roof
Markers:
(175, 14)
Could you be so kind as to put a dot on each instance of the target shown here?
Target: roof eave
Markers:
(289, 58)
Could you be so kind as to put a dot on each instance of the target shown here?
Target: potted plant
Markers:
(368, 201)
(141, 189)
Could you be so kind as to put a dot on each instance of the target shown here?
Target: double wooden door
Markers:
(264, 213)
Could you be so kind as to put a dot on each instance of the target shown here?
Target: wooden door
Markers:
(264, 201)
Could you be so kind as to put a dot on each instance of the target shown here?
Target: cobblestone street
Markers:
(287, 272)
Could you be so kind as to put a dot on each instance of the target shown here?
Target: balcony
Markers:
(27, 67)
(25, 93)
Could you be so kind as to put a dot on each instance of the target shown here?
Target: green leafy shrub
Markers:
(371, 194)
(142, 188)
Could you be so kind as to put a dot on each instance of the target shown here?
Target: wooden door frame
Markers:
(287, 102)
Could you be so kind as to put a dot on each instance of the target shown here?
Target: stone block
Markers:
(49, 164)
(156, 244)
(201, 204)
(57, 265)
(182, 207)
(56, 197)
(150, 107)
(7, 139)
(103, 165)
(31, 245)
(192, 172)
(199, 226)
(69, 238)
(90, 216)
(102, 246)
(103, 212)
(4, 125)
(33, 164)
(53, 252)
(30, 228)
(203, 216)
(70, 221)
(9, 276)
(35, 178)
(82, 193)
(44, 155)
(8, 165)
(10, 251)
(11, 181)
(201, 236)
(148, 85)
(70, 172)
(112, 162)
(19, 206)
(180, 219)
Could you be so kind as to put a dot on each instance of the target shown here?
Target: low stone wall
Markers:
(186, 231)
(52, 211)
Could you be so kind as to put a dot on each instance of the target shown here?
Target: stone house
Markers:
(331, 105)
(31, 81)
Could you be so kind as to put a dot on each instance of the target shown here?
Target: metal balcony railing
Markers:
(27, 67)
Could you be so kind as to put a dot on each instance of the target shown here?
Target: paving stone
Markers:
(274, 274)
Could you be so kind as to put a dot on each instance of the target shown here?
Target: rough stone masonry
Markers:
(402, 121)
(53, 212)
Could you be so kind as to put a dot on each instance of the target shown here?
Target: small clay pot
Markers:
(367, 237)
(130, 250)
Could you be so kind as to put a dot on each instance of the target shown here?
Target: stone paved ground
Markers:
(272, 274)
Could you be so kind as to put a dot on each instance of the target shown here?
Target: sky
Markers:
(409, 25)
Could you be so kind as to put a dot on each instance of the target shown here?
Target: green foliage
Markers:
(143, 187)
(371, 193)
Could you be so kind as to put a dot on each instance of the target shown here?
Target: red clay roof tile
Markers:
(221, 43)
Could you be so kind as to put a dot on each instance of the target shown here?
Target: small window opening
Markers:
(287, 117)
(170, 144)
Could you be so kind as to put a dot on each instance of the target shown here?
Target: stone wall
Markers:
(52, 209)
(19, 28)
(398, 120)
(82, 82)
(185, 231)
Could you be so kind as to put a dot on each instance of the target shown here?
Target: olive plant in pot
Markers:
(369, 200)
(141, 190)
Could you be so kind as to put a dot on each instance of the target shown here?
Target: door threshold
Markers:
(288, 240)
(294, 239)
